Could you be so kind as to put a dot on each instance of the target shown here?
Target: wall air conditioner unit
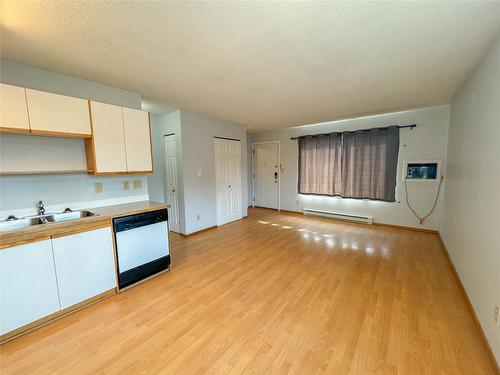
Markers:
(339, 216)
(422, 170)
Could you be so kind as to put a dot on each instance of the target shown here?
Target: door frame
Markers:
(215, 140)
(279, 171)
(177, 177)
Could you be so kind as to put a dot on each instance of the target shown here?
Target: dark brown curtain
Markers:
(320, 165)
(369, 164)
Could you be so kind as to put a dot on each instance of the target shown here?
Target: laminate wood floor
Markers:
(274, 294)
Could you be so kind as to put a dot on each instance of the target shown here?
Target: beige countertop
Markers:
(103, 218)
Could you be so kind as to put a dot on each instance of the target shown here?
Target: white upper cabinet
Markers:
(108, 138)
(137, 140)
(13, 110)
(54, 113)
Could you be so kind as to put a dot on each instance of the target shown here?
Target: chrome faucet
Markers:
(40, 208)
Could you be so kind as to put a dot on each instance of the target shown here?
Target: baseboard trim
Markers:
(406, 228)
(198, 232)
(30, 327)
(469, 304)
(354, 222)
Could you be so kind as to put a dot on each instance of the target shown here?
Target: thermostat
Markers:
(422, 170)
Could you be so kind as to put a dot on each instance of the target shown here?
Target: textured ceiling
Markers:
(262, 64)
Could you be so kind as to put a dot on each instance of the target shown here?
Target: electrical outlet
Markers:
(199, 172)
(198, 217)
(98, 187)
(297, 202)
(137, 184)
(126, 185)
(496, 312)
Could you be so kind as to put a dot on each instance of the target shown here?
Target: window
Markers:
(351, 164)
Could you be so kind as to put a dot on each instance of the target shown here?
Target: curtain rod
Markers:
(357, 131)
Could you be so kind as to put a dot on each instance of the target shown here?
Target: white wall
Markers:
(471, 228)
(426, 141)
(198, 132)
(18, 194)
(195, 150)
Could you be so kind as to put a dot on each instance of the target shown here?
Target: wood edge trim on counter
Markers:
(22, 241)
(82, 227)
(50, 133)
(468, 302)
(54, 316)
(6, 129)
(74, 228)
(198, 232)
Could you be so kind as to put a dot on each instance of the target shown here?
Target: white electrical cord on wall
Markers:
(422, 219)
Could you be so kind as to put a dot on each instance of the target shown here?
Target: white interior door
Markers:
(266, 175)
(228, 180)
(171, 183)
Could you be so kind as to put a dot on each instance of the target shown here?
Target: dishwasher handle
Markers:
(122, 224)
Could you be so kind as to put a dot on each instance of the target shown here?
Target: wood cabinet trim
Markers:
(6, 129)
(49, 133)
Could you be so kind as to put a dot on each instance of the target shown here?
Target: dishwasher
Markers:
(142, 246)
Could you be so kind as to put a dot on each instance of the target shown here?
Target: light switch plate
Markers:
(137, 184)
(199, 173)
(98, 187)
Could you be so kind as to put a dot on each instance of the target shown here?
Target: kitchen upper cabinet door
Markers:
(28, 285)
(54, 113)
(108, 138)
(13, 110)
(85, 265)
(137, 140)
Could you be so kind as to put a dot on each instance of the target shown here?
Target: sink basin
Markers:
(24, 222)
(64, 216)
(20, 223)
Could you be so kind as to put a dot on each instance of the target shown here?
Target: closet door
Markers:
(228, 180)
(137, 140)
(13, 110)
(108, 138)
(55, 114)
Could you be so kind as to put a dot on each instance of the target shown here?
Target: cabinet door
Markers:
(13, 110)
(54, 113)
(109, 141)
(85, 265)
(137, 140)
(28, 285)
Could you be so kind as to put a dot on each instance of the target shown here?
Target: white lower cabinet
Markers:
(41, 278)
(28, 284)
(85, 265)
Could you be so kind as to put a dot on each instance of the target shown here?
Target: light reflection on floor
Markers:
(329, 240)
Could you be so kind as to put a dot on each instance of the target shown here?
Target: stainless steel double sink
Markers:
(15, 223)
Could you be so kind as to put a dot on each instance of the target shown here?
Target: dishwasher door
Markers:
(142, 246)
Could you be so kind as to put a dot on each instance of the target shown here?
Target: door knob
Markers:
(229, 185)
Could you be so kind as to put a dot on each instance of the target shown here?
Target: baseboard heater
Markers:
(339, 215)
